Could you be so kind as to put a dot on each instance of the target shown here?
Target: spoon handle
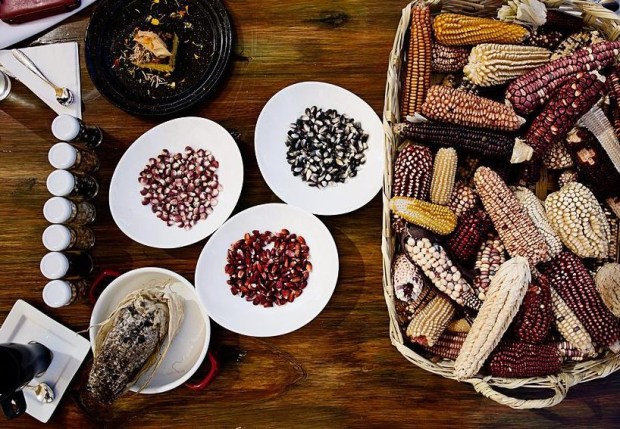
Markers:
(27, 62)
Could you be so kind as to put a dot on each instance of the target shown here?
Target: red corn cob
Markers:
(412, 172)
(532, 323)
(548, 39)
(557, 20)
(463, 199)
(613, 82)
(471, 231)
(569, 352)
(514, 360)
(448, 345)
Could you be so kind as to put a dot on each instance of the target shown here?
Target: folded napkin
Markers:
(60, 63)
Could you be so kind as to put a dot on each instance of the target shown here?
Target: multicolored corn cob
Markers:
(569, 352)
(534, 88)
(471, 231)
(438, 219)
(493, 64)
(518, 360)
(515, 228)
(461, 30)
(543, 38)
(437, 266)
(575, 42)
(412, 172)
(569, 325)
(417, 77)
(558, 157)
(427, 325)
(448, 345)
(406, 279)
(567, 176)
(613, 83)
(532, 323)
(444, 172)
(475, 140)
(614, 229)
(450, 105)
(506, 293)
(490, 257)
(578, 219)
(463, 199)
(406, 310)
(608, 286)
(468, 87)
(570, 279)
(448, 59)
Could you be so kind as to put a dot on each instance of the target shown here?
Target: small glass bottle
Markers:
(67, 157)
(61, 237)
(62, 183)
(62, 210)
(58, 293)
(71, 129)
(56, 265)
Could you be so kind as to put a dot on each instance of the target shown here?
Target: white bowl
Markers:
(275, 121)
(138, 221)
(189, 347)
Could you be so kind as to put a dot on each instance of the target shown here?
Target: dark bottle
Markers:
(62, 183)
(70, 129)
(56, 265)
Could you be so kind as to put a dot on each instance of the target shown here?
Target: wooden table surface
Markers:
(338, 371)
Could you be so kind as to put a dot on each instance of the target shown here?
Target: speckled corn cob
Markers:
(466, 169)
(444, 171)
(468, 87)
(518, 360)
(440, 270)
(471, 231)
(438, 219)
(418, 65)
(543, 38)
(534, 209)
(406, 310)
(613, 254)
(567, 176)
(570, 279)
(460, 30)
(412, 172)
(450, 105)
(569, 352)
(558, 157)
(447, 59)
(406, 278)
(490, 257)
(532, 323)
(575, 42)
(463, 199)
(475, 140)
(506, 293)
(578, 219)
(568, 324)
(426, 326)
(493, 64)
(448, 345)
(515, 228)
(561, 113)
(534, 88)
(608, 286)
(613, 83)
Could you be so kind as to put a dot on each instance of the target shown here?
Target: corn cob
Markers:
(558, 157)
(579, 220)
(492, 64)
(490, 257)
(566, 177)
(461, 326)
(515, 228)
(426, 326)
(569, 326)
(598, 124)
(406, 278)
(440, 270)
(466, 169)
(444, 171)
(562, 112)
(569, 352)
(460, 30)
(534, 209)
(532, 323)
(471, 231)
(534, 88)
(457, 107)
(608, 286)
(468, 87)
(613, 82)
(474, 140)
(463, 199)
(614, 233)
(570, 279)
(558, 20)
(406, 310)
(518, 360)
(506, 293)
(438, 219)
(448, 345)
(543, 38)
(447, 59)
(412, 172)
(418, 65)
(575, 42)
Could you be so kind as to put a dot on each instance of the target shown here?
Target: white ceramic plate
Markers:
(275, 121)
(237, 314)
(24, 324)
(189, 347)
(137, 221)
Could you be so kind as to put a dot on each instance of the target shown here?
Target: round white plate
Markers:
(238, 315)
(189, 346)
(139, 222)
(275, 121)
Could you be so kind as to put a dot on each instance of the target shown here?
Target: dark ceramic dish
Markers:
(205, 41)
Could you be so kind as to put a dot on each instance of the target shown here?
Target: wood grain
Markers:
(338, 371)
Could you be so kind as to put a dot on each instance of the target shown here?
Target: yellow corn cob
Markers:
(505, 295)
(494, 64)
(569, 325)
(444, 171)
(460, 30)
(426, 326)
(461, 325)
(438, 219)
(418, 65)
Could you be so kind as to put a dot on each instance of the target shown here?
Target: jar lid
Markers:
(57, 210)
(60, 183)
(54, 265)
(57, 293)
(62, 155)
(56, 238)
(65, 127)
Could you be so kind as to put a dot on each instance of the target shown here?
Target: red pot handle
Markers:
(214, 368)
(105, 274)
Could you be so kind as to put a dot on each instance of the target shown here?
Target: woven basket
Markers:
(572, 374)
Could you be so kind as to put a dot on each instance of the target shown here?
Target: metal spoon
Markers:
(43, 392)
(63, 95)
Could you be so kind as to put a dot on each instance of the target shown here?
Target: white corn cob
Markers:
(444, 172)
(569, 325)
